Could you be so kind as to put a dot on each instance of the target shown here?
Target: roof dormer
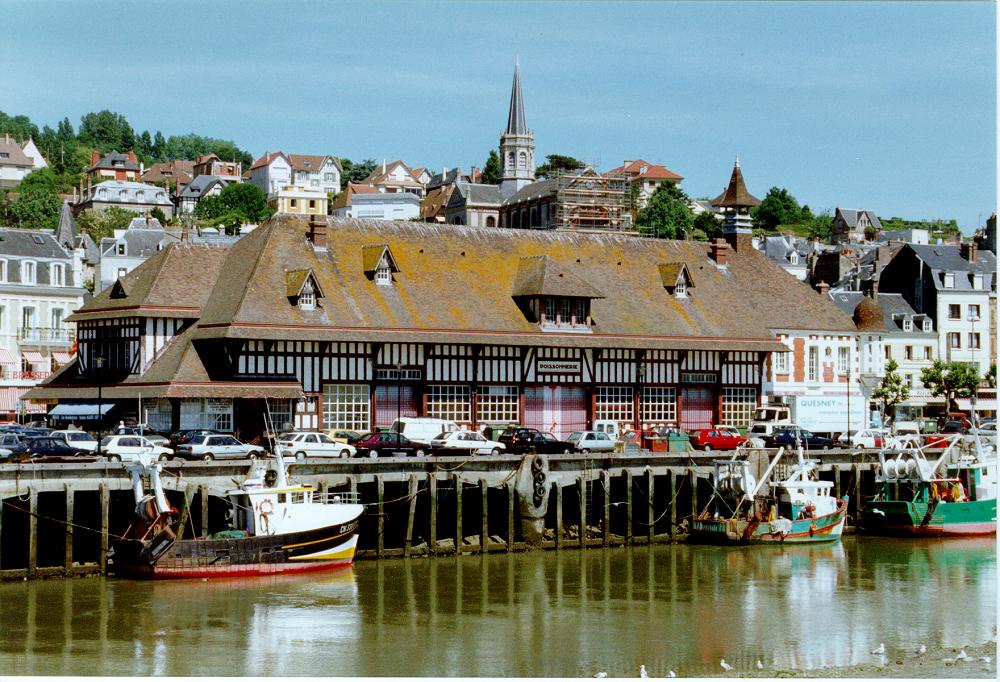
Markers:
(119, 289)
(379, 263)
(302, 289)
(553, 296)
(676, 278)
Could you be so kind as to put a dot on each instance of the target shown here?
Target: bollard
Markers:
(557, 492)
(628, 506)
(70, 502)
(458, 514)
(32, 533)
(105, 518)
(432, 488)
(583, 511)
(412, 492)
(649, 506)
(380, 535)
(510, 516)
(606, 523)
(484, 537)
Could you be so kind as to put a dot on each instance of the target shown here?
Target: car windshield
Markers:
(77, 436)
(442, 435)
(105, 440)
(575, 436)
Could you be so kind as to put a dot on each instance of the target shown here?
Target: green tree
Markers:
(991, 376)
(107, 130)
(236, 204)
(708, 224)
(159, 215)
(103, 223)
(951, 380)
(20, 127)
(666, 214)
(191, 146)
(891, 391)
(38, 204)
(491, 169)
(821, 226)
(776, 208)
(355, 172)
(555, 163)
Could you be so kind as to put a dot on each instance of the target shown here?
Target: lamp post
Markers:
(972, 319)
(399, 402)
(98, 366)
(638, 398)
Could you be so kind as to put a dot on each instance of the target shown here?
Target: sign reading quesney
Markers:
(829, 414)
(558, 366)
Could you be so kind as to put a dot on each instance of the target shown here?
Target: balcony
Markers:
(45, 336)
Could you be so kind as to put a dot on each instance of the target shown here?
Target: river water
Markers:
(569, 613)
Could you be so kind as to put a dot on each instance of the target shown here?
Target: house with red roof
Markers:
(646, 175)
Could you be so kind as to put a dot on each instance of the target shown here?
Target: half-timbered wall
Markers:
(114, 340)
(157, 333)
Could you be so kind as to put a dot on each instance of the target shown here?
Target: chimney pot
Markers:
(720, 251)
(94, 157)
(969, 251)
(823, 288)
(131, 157)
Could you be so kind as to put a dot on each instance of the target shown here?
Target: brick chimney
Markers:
(969, 250)
(823, 288)
(317, 231)
(131, 157)
(720, 251)
(742, 242)
(95, 158)
(883, 254)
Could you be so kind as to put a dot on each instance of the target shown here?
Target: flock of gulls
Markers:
(877, 651)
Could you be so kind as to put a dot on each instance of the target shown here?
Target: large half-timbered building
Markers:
(350, 324)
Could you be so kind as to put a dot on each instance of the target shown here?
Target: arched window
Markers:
(491, 221)
(510, 160)
(522, 161)
(383, 273)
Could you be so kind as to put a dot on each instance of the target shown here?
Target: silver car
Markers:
(591, 441)
(218, 446)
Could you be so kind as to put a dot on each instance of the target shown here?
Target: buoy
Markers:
(890, 468)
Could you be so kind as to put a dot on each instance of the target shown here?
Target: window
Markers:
(843, 357)
(28, 270)
(927, 324)
(564, 308)
(974, 313)
(908, 378)
(549, 316)
(346, 406)
(3, 318)
(949, 280)
(680, 288)
(383, 274)
(312, 203)
(613, 403)
(27, 317)
(907, 325)
(4, 155)
(580, 312)
(328, 177)
(928, 352)
(813, 363)
(57, 275)
(449, 402)
(659, 404)
(282, 413)
(522, 161)
(57, 318)
(295, 203)
(3, 269)
(974, 340)
(954, 312)
(120, 249)
(122, 272)
(219, 413)
(738, 405)
(977, 281)
(908, 352)
(498, 404)
(307, 297)
(781, 363)
(510, 160)
(954, 339)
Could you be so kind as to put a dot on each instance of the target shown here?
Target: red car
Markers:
(718, 438)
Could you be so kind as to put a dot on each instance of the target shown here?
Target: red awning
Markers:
(62, 358)
(9, 397)
(33, 357)
(7, 358)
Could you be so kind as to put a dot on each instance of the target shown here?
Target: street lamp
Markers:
(98, 366)
(399, 402)
(972, 318)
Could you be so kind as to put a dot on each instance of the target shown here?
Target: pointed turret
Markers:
(737, 202)
(517, 144)
(736, 194)
(66, 228)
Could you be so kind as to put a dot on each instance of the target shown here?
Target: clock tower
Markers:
(517, 144)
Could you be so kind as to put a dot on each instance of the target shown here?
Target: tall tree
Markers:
(667, 214)
(891, 391)
(38, 204)
(779, 207)
(708, 224)
(107, 130)
(491, 169)
(235, 205)
(355, 171)
(19, 126)
(103, 223)
(555, 163)
(950, 379)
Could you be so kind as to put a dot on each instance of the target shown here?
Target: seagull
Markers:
(985, 659)
(600, 675)
(922, 650)
(962, 656)
(642, 671)
(760, 666)
(879, 650)
(671, 674)
(725, 666)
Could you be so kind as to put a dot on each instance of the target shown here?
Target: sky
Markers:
(885, 106)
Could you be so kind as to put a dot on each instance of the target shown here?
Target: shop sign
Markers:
(697, 378)
(558, 366)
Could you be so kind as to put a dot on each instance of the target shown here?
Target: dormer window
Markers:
(564, 313)
(977, 281)
(793, 258)
(120, 249)
(927, 324)
(58, 275)
(383, 273)
(680, 288)
(907, 326)
(676, 278)
(28, 272)
(553, 296)
(302, 289)
(307, 299)
(949, 280)
(379, 264)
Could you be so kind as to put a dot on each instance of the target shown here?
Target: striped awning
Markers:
(33, 357)
(11, 396)
(989, 404)
(7, 358)
(62, 358)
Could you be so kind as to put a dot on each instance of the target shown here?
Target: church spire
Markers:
(65, 232)
(515, 117)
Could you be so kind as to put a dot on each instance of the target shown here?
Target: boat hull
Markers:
(741, 531)
(897, 517)
(320, 549)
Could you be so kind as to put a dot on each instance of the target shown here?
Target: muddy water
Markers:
(570, 613)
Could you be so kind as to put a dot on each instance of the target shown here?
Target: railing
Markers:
(45, 335)
(333, 497)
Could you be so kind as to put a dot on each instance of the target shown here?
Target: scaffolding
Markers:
(588, 201)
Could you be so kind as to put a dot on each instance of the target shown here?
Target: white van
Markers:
(422, 429)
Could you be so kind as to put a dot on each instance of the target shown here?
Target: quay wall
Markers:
(60, 519)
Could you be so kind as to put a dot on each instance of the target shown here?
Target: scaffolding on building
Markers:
(588, 201)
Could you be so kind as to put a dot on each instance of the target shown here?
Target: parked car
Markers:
(184, 435)
(513, 437)
(78, 439)
(988, 427)
(546, 443)
(955, 427)
(127, 448)
(716, 438)
(350, 437)
(304, 444)
(50, 449)
(643, 437)
(10, 441)
(389, 445)
(591, 441)
(154, 438)
(466, 442)
(422, 429)
(865, 438)
(787, 438)
(218, 446)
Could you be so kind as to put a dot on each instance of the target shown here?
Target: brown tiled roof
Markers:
(16, 155)
(378, 177)
(299, 162)
(653, 171)
(435, 202)
(180, 170)
(343, 199)
(266, 159)
(736, 194)
(540, 276)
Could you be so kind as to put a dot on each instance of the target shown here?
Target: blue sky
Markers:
(888, 106)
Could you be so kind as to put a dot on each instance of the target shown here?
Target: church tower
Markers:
(517, 145)
(736, 201)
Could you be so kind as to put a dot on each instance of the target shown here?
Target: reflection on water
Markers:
(540, 614)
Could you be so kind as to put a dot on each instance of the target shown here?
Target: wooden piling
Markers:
(412, 493)
(1, 531)
(105, 522)
(432, 489)
(557, 493)
(203, 492)
(32, 532)
(672, 502)
(856, 497)
(380, 496)
(484, 537)
(693, 478)
(510, 516)
(628, 505)
(185, 515)
(649, 506)
(70, 502)
(836, 481)
(458, 514)
(581, 486)
(606, 522)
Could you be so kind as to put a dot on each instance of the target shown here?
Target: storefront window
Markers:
(613, 403)
(498, 404)
(346, 406)
(738, 405)
(282, 414)
(659, 405)
(449, 402)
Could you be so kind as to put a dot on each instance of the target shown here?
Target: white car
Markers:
(218, 446)
(592, 441)
(127, 448)
(472, 442)
(78, 439)
(304, 444)
(867, 438)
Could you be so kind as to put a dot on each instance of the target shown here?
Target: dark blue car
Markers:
(786, 438)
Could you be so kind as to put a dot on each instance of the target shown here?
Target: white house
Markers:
(17, 160)
(271, 172)
(377, 205)
(316, 173)
(131, 196)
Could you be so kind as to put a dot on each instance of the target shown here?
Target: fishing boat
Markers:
(799, 508)
(276, 527)
(954, 495)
